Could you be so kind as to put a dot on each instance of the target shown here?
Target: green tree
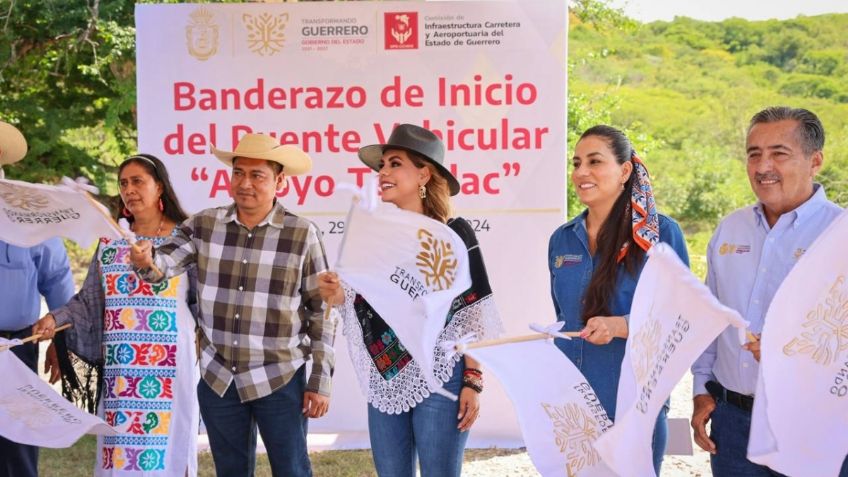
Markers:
(67, 80)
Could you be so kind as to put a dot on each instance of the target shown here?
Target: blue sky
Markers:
(714, 10)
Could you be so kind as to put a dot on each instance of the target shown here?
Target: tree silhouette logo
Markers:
(436, 261)
(575, 430)
(266, 32)
(22, 198)
(644, 348)
(825, 334)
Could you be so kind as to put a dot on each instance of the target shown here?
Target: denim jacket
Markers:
(571, 267)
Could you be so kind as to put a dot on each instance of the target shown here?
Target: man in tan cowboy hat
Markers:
(27, 274)
(261, 313)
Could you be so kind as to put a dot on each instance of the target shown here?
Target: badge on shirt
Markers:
(799, 252)
(568, 259)
(729, 248)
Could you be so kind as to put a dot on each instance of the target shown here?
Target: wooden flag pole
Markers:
(38, 335)
(518, 339)
(353, 204)
(117, 227)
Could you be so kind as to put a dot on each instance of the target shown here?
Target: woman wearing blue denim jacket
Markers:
(595, 260)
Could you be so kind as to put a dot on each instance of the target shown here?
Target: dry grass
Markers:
(78, 461)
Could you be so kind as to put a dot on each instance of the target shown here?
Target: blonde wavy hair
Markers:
(437, 204)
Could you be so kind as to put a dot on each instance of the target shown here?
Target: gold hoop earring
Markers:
(422, 192)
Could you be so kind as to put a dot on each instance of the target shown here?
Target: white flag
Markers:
(33, 213)
(409, 268)
(800, 418)
(673, 319)
(559, 413)
(31, 412)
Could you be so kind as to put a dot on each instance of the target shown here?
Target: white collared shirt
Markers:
(747, 261)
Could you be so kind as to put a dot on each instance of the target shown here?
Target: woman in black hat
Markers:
(405, 421)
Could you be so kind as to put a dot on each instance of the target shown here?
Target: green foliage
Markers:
(690, 87)
(65, 67)
(815, 86)
(599, 14)
(67, 80)
(822, 62)
(696, 243)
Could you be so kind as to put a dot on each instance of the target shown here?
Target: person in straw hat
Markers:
(261, 315)
(27, 274)
(13, 145)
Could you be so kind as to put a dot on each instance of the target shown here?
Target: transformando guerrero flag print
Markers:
(409, 268)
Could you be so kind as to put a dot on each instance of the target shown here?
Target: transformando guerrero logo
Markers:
(436, 261)
(435, 267)
(824, 335)
(23, 198)
(266, 34)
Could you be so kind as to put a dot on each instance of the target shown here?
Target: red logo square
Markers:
(401, 30)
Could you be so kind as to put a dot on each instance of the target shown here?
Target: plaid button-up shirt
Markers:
(260, 312)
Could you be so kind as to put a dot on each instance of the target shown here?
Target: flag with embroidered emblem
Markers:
(32, 413)
(673, 318)
(799, 424)
(560, 415)
(33, 213)
(409, 268)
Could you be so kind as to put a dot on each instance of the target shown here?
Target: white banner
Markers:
(560, 415)
(488, 77)
(31, 412)
(673, 319)
(33, 213)
(409, 268)
(800, 419)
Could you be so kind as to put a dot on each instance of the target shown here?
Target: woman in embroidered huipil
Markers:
(140, 337)
(405, 421)
(596, 258)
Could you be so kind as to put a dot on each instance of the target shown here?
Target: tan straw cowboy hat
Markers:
(264, 147)
(13, 146)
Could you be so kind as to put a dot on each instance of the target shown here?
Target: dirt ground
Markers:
(516, 462)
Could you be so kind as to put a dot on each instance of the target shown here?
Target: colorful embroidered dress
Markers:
(150, 372)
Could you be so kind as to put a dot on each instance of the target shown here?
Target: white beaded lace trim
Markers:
(408, 388)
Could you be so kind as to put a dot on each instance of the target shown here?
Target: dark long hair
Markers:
(82, 381)
(614, 232)
(172, 208)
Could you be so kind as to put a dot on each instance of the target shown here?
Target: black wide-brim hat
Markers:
(412, 138)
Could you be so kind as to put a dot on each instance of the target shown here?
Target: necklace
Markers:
(158, 230)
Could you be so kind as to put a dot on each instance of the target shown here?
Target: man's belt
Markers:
(22, 333)
(746, 403)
